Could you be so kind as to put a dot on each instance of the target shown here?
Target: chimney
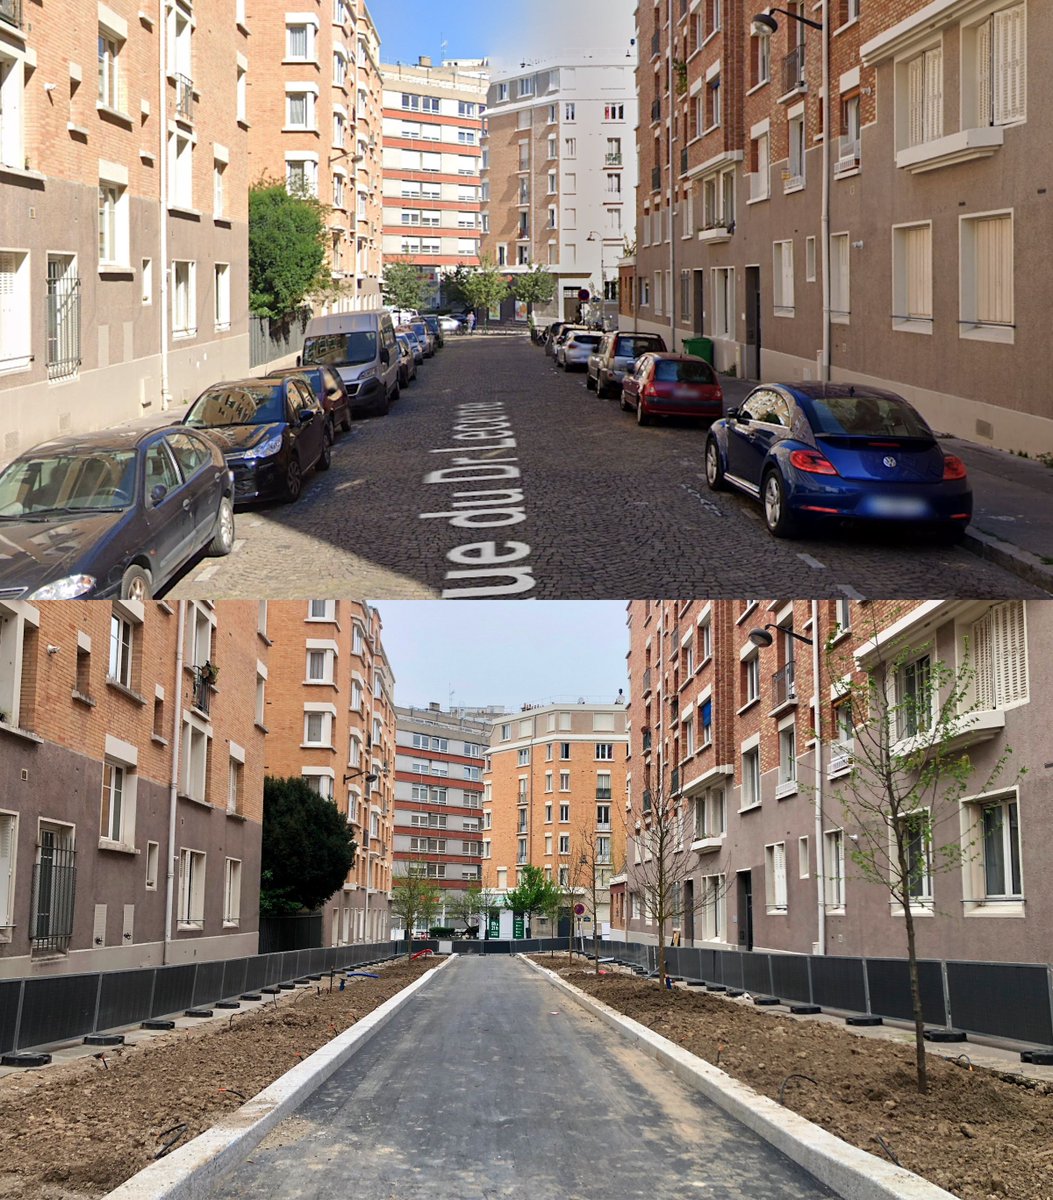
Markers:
(424, 60)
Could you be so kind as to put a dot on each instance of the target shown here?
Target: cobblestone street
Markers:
(599, 507)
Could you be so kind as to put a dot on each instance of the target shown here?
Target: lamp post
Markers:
(593, 237)
(764, 25)
(762, 638)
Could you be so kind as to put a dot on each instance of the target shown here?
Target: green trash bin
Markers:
(700, 347)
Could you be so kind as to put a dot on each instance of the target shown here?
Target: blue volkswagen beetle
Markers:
(837, 452)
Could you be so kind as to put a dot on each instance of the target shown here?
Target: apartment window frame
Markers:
(776, 894)
(912, 276)
(783, 300)
(231, 893)
(978, 287)
(840, 279)
(193, 865)
(750, 788)
(184, 298)
(1000, 839)
(834, 898)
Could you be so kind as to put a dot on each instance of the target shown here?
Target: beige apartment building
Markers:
(314, 112)
(723, 732)
(555, 797)
(433, 125)
(560, 176)
(132, 751)
(891, 253)
(331, 720)
(123, 210)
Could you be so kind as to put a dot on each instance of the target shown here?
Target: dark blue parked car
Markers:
(116, 513)
(836, 452)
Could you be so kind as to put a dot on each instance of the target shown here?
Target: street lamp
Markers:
(595, 236)
(762, 638)
(764, 25)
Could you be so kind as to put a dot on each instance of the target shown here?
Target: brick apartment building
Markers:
(555, 794)
(331, 720)
(123, 210)
(930, 185)
(723, 730)
(439, 795)
(561, 169)
(132, 804)
(314, 112)
(433, 123)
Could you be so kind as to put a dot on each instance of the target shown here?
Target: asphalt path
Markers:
(490, 1084)
(496, 475)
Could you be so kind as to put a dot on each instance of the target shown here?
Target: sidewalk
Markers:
(1012, 502)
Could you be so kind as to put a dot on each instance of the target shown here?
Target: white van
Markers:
(362, 348)
(403, 316)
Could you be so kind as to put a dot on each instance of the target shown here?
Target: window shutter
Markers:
(933, 94)
(918, 267)
(916, 101)
(984, 109)
(787, 274)
(1010, 652)
(983, 662)
(779, 863)
(993, 251)
(7, 866)
(1009, 65)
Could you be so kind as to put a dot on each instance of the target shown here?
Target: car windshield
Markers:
(673, 371)
(241, 404)
(633, 347)
(587, 339)
(420, 328)
(867, 415)
(95, 482)
(341, 349)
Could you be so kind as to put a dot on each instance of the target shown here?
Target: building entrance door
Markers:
(746, 910)
(751, 365)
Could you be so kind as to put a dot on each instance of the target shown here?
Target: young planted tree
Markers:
(536, 287)
(595, 869)
(465, 906)
(485, 287)
(287, 248)
(308, 848)
(554, 905)
(533, 894)
(415, 899)
(403, 285)
(903, 726)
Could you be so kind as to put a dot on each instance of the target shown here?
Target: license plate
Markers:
(898, 506)
(686, 394)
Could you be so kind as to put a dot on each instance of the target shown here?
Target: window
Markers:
(152, 857)
(787, 761)
(221, 285)
(712, 909)
(339, 68)
(834, 860)
(191, 914)
(804, 866)
(320, 665)
(751, 795)
(122, 647)
(723, 302)
(63, 317)
(12, 136)
(998, 644)
(705, 724)
(782, 278)
(564, 843)
(564, 781)
(241, 91)
(299, 109)
(840, 305)
(710, 815)
(232, 891)
(711, 116)
(180, 171)
(604, 751)
(751, 679)
(235, 770)
(113, 816)
(924, 115)
(54, 891)
(918, 842)
(113, 224)
(570, 147)
(564, 808)
(795, 129)
(184, 299)
(603, 816)
(912, 278)
(775, 877)
(197, 753)
(913, 697)
(299, 42)
(999, 47)
(760, 173)
(760, 60)
(317, 729)
(261, 697)
(110, 91)
(568, 111)
(809, 260)
(523, 757)
(987, 308)
(993, 874)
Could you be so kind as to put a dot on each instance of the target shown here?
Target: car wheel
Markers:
(223, 539)
(590, 383)
(602, 390)
(777, 516)
(293, 479)
(325, 459)
(345, 424)
(396, 392)
(714, 467)
(642, 417)
(136, 583)
(625, 405)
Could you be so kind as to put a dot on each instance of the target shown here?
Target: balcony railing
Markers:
(184, 98)
(793, 69)
(603, 793)
(54, 889)
(783, 688)
(614, 160)
(202, 691)
(847, 155)
(11, 12)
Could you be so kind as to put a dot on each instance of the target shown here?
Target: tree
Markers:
(534, 287)
(596, 867)
(403, 285)
(466, 906)
(308, 848)
(533, 893)
(415, 899)
(485, 287)
(287, 249)
(903, 722)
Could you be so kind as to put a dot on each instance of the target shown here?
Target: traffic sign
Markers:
(579, 909)
(583, 294)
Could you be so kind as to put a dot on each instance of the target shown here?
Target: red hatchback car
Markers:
(672, 385)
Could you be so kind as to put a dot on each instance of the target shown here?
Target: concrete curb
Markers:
(1022, 563)
(192, 1171)
(852, 1173)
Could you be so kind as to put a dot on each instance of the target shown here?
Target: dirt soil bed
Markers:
(77, 1130)
(977, 1134)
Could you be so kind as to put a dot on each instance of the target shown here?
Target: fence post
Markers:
(866, 987)
(98, 1002)
(946, 994)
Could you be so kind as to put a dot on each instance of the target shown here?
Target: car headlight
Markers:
(65, 589)
(266, 448)
(368, 373)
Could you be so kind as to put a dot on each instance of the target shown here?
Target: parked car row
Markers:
(120, 513)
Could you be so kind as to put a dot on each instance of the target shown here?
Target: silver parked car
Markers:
(574, 352)
(614, 355)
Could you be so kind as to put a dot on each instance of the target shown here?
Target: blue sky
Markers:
(505, 32)
(505, 652)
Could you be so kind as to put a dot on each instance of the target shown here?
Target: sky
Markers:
(507, 33)
(507, 653)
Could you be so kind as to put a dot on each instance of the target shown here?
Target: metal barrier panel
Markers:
(756, 973)
(789, 976)
(124, 998)
(672, 961)
(208, 986)
(59, 1007)
(255, 973)
(10, 991)
(730, 964)
(174, 989)
(235, 978)
(839, 983)
(707, 965)
(889, 982)
(1007, 999)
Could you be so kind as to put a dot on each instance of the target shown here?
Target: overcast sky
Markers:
(508, 653)
(505, 33)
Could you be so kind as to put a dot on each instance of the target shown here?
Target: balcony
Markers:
(184, 98)
(783, 688)
(11, 12)
(793, 70)
(656, 179)
(613, 160)
(717, 230)
(203, 685)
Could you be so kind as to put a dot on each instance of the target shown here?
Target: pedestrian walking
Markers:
(471, 322)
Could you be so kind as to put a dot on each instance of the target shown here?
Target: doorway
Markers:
(699, 297)
(689, 911)
(745, 910)
(751, 365)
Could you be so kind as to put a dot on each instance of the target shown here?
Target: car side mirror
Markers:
(306, 415)
(385, 356)
(630, 366)
(732, 414)
(299, 360)
(157, 494)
